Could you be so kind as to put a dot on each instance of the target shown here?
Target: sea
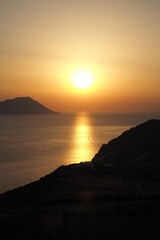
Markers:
(32, 146)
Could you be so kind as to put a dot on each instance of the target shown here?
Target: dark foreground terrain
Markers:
(88, 200)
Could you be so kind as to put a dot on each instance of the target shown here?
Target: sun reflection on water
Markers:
(82, 144)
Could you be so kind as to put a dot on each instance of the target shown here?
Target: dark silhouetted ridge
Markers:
(84, 201)
(136, 149)
(23, 105)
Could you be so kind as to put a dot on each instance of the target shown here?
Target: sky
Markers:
(44, 42)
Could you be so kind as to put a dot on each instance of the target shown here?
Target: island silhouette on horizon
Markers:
(23, 105)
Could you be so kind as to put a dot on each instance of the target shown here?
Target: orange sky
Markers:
(43, 42)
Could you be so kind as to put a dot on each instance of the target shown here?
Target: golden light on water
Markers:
(83, 149)
(82, 139)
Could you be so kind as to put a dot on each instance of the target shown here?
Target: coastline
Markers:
(79, 202)
(89, 200)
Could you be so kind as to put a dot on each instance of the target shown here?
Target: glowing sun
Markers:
(82, 79)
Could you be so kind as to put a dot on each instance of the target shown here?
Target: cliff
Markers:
(82, 201)
(136, 150)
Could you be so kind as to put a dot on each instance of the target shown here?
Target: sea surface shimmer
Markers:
(33, 146)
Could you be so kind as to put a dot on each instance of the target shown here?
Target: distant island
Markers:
(114, 196)
(23, 105)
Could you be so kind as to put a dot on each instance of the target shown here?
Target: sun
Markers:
(82, 79)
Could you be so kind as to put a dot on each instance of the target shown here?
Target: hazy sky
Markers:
(42, 42)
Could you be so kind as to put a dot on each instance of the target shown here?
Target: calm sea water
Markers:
(33, 146)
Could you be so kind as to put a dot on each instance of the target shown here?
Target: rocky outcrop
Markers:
(23, 105)
(137, 149)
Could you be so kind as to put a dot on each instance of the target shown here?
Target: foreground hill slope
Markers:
(136, 150)
(23, 105)
(85, 201)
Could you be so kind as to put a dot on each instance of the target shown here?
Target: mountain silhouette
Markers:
(82, 201)
(23, 105)
(137, 149)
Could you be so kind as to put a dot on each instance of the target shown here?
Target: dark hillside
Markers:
(137, 149)
(83, 201)
(23, 105)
